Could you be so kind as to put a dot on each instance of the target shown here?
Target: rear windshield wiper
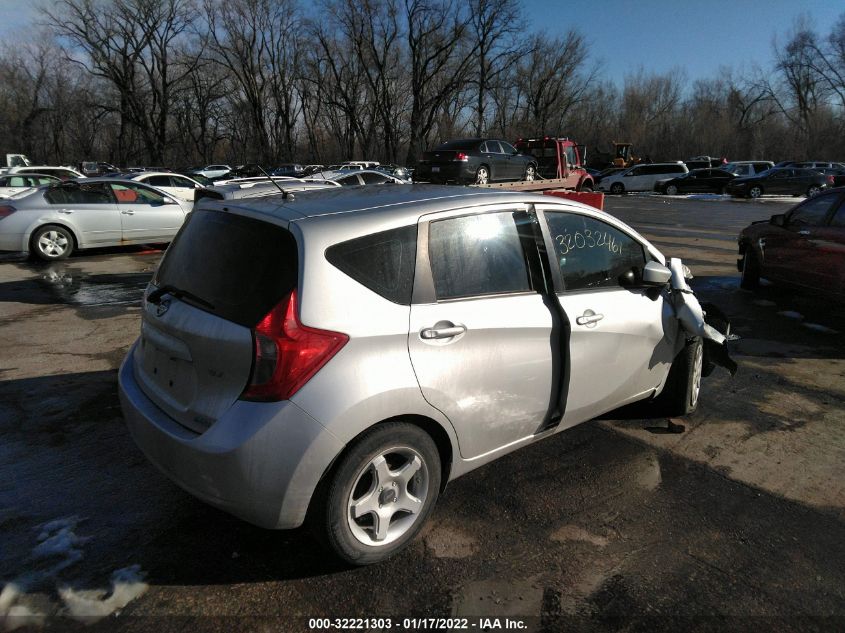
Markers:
(156, 295)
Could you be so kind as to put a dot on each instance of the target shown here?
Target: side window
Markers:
(507, 148)
(477, 255)
(19, 181)
(570, 155)
(813, 212)
(136, 194)
(90, 193)
(591, 253)
(637, 171)
(383, 262)
(181, 182)
(373, 179)
(493, 147)
(158, 181)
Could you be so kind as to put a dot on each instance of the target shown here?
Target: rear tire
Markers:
(51, 242)
(750, 275)
(587, 187)
(482, 175)
(683, 385)
(672, 190)
(617, 188)
(380, 494)
(755, 192)
(530, 173)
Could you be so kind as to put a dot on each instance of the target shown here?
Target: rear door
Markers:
(480, 334)
(90, 208)
(146, 215)
(622, 339)
(195, 353)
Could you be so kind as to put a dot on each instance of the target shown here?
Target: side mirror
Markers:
(655, 274)
(778, 220)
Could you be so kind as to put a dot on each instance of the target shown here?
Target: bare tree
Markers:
(439, 59)
(497, 28)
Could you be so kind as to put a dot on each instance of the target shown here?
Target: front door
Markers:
(480, 343)
(145, 215)
(622, 339)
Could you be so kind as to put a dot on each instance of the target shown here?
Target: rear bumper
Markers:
(458, 171)
(260, 462)
(13, 242)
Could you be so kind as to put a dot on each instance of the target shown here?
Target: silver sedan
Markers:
(55, 220)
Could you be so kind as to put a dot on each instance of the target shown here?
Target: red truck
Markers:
(559, 158)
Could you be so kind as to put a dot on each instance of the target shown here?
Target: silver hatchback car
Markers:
(342, 354)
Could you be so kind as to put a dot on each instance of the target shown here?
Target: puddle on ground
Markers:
(77, 288)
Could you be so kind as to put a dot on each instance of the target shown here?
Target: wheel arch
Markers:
(434, 429)
(40, 224)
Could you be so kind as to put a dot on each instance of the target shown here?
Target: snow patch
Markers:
(791, 314)
(13, 616)
(820, 328)
(89, 606)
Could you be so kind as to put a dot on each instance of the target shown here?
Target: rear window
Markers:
(383, 262)
(462, 144)
(240, 266)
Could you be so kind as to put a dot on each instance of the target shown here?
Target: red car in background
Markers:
(803, 247)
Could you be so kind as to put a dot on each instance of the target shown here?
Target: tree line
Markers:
(179, 82)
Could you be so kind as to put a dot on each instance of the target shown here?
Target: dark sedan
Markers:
(780, 181)
(696, 181)
(804, 247)
(475, 161)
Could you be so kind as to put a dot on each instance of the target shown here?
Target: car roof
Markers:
(410, 200)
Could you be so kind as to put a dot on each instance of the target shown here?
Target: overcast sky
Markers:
(697, 36)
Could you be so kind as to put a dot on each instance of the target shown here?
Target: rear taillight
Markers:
(830, 180)
(461, 157)
(287, 353)
(6, 211)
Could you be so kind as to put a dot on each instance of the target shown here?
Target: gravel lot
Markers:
(735, 523)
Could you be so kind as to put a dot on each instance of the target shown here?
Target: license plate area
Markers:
(166, 376)
(435, 170)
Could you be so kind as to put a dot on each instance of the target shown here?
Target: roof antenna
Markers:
(287, 195)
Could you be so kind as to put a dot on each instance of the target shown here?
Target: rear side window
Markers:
(477, 255)
(240, 266)
(383, 262)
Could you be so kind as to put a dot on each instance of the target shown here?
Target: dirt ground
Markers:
(736, 523)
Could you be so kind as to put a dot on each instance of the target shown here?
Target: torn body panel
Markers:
(696, 321)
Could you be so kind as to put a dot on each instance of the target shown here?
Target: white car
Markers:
(62, 173)
(16, 185)
(748, 167)
(175, 185)
(641, 177)
(212, 171)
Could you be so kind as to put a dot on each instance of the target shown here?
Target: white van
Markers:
(641, 177)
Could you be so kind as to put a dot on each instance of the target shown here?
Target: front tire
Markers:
(683, 385)
(755, 192)
(380, 494)
(672, 190)
(617, 188)
(51, 242)
(530, 173)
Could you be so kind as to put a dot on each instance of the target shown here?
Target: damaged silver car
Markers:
(342, 354)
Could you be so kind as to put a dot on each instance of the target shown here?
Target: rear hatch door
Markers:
(222, 274)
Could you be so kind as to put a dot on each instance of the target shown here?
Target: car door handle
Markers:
(66, 211)
(589, 318)
(128, 212)
(442, 332)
